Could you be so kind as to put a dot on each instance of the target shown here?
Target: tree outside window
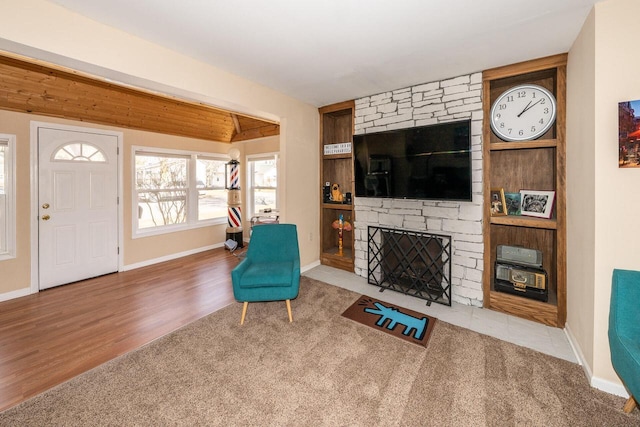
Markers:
(177, 189)
(161, 182)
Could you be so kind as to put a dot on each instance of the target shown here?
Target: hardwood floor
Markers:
(54, 335)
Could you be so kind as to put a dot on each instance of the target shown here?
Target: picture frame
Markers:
(537, 203)
(514, 203)
(498, 203)
(629, 134)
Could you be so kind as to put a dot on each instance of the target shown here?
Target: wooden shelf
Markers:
(336, 126)
(534, 165)
(336, 156)
(541, 143)
(333, 252)
(538, 311)
(524, 221)
(331, 258)
(337, 206)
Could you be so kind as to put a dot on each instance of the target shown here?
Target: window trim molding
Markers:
(10, 225)
(192, 221)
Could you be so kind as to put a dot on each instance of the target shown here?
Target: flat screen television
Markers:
(426, 162)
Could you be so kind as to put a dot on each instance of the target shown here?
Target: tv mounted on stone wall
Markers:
(427, 162)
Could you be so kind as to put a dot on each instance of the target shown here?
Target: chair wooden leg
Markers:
(631, 403)
(289, 310)
(244, 311)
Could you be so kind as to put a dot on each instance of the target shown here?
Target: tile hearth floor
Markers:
(545, 339)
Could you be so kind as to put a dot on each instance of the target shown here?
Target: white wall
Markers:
(581, 189)
(604, 209)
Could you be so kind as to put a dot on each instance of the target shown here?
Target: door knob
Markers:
(45, 206)
(45, 217)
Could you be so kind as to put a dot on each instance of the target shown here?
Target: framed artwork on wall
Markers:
(629, 134)
(537, 203)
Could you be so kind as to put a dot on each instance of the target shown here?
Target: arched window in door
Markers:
(80, 152)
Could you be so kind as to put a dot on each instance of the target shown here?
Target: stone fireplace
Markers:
(436, 102)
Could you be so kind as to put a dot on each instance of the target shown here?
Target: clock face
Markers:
(523, 113)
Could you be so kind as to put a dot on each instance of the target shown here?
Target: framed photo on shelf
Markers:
(537, 203)
(498, 204)
(514, 203)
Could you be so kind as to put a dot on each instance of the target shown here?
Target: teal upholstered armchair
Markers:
(624, 331)
(271, 269)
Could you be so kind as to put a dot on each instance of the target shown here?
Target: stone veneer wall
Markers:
(437, 102)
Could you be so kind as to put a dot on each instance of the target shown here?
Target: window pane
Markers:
(79, 151)
(212, 204)
(161, 183)
(265, 173)
(212, 197)
(264, 198)
(210, 173)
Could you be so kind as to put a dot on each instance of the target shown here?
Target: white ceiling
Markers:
(325, 51)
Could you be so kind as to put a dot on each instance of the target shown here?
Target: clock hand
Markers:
(525, 109)
(528, 107)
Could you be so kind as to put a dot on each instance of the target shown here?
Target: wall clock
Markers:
(523, 113)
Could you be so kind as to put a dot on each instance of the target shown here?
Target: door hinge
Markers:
(118, 250)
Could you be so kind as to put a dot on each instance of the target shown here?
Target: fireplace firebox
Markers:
(411, 262)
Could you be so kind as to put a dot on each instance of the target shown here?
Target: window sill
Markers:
(139, 234)
(7, 256)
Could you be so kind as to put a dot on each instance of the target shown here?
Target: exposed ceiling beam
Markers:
(52, 91)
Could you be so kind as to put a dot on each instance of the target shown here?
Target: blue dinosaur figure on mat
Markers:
(411, 323)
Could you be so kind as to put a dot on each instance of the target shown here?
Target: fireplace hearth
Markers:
(411, 262)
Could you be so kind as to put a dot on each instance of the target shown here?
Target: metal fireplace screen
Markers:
(412, 262)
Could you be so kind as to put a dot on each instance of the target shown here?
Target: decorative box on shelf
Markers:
(340, 148)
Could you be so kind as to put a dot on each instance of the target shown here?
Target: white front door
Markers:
(77, 205)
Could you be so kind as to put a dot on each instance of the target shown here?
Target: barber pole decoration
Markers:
(234, 197)
(234, 178)
(235, 216)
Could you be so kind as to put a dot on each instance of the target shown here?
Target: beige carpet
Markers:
(323, 369)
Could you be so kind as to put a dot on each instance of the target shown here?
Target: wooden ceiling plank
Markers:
(268, 130)
(34, 88)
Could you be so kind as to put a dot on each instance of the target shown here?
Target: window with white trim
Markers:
(262, 179)
(7, 197)
(177, 190)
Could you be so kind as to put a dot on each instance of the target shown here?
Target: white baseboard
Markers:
(595, 382)
(16, 294)
(609, 387)
(577, 351)
(310, 266)
(170, 257)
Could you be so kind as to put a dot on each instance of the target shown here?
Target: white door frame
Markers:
(34, 173)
